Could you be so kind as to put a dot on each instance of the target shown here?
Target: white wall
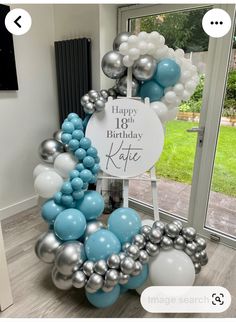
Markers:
(29, 115)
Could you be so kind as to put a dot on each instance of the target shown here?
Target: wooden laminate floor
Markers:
(35, 295)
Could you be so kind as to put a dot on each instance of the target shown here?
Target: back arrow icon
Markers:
(16, 21)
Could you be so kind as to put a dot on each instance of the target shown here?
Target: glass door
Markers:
(180, 165)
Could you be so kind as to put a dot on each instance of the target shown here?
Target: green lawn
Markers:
(177, 159)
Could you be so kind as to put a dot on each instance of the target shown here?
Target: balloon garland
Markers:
(159, 72)
(124, 254)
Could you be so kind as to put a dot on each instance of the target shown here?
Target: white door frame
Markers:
(213, 96)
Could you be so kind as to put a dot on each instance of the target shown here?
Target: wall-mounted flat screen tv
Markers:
(8, 76)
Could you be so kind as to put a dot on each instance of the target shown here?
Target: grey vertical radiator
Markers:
(74, 79)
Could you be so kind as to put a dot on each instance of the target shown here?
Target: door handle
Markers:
(200, 131)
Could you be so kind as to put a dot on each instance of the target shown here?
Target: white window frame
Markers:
(213, 97)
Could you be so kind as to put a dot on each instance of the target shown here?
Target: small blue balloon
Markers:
(167, 73)
(85, 143)
(74, 174)
(57, 197)
(77, 122)
(70, 224)
(85, 186)
(74, 144)
(77, 195)
(50, 210)
(102, 299)
(152, 90)
(67, 200)
(88, 162)
(67, 127)
(92, 152)
(66, 137)
(86, 175)
(101, 244)
(125, 223)
(80, 167)
(66, 188)
(92, 205)
(137, 281)
(77, 184)
(96, 168)
(72, 115)
(77, 134)
(80, 154)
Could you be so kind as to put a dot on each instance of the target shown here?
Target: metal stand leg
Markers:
(126, 193)
(5, 289)
(154, 193)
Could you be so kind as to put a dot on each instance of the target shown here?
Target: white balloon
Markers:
(185, 76)
(127, 61)
(170, 97)
(161, 40)
(171, 268)
(124, 48)
(161, 53)
(134, 53)
(147, 284)
(171, 53)
(190, 86)
(47, 183)
(171, 114)
(161, 110)
(133, 41)
(148, 222)
(142, 45)
(178, 89)
(41, 168)
(179, 53)
(154, 37)
(167, 89)
(143, 35)
(151, 48)
(186, 95)
(64, 163)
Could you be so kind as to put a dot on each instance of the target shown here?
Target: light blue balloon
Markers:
(50, 210)
(88, 162)
(102, 299)
(70, 224)
(92, 205)
(124, 223)
(137, 281)
(101, 244)
(70, 116)
(92, 152)
(167, 73)
(67, 200)
(152, 90)
(77, 134)
(80, 154)
(67, 127)
(86, 175)
(74, 144)
(85, 143)
(77, 122)
(66, 137)
(66, 188)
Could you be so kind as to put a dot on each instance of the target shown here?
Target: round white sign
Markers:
(129, 137)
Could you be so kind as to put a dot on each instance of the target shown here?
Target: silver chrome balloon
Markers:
(201, 243)
(123, 278)
(139, 241)
(89, 289)
(160, 225)
(63, 282)
(196, 258)
(120, 38)
(179, 224)
(204, 260)
(100, 104)
(166, 243)
(113, 261)
(107, 288)
(143, 257)
(122, 255)
(49, 149)
(127, 265)
(112, 277)
(203, 253)
(84, 100)
(95, 281)
(190, 248)
(122, 86)
(137, 269)
(88, 268)
(172, 230)
(104, 94)
(145, 231)
(57, 135)
(89, 108)
(179, 243)
(112, 92)
(155, 235)
(133, 251)
(100, 267)
(69, 257)
(197, 267)
(46, 247)
(152, 249)
(112, 65)
(144, 68)
(125, 246)
(189, 233)
(92, 227)
(93, 95)
(79, 279)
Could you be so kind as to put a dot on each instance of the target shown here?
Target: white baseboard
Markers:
(18, 207)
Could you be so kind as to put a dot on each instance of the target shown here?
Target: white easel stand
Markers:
(152, 179)
(5, 288)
